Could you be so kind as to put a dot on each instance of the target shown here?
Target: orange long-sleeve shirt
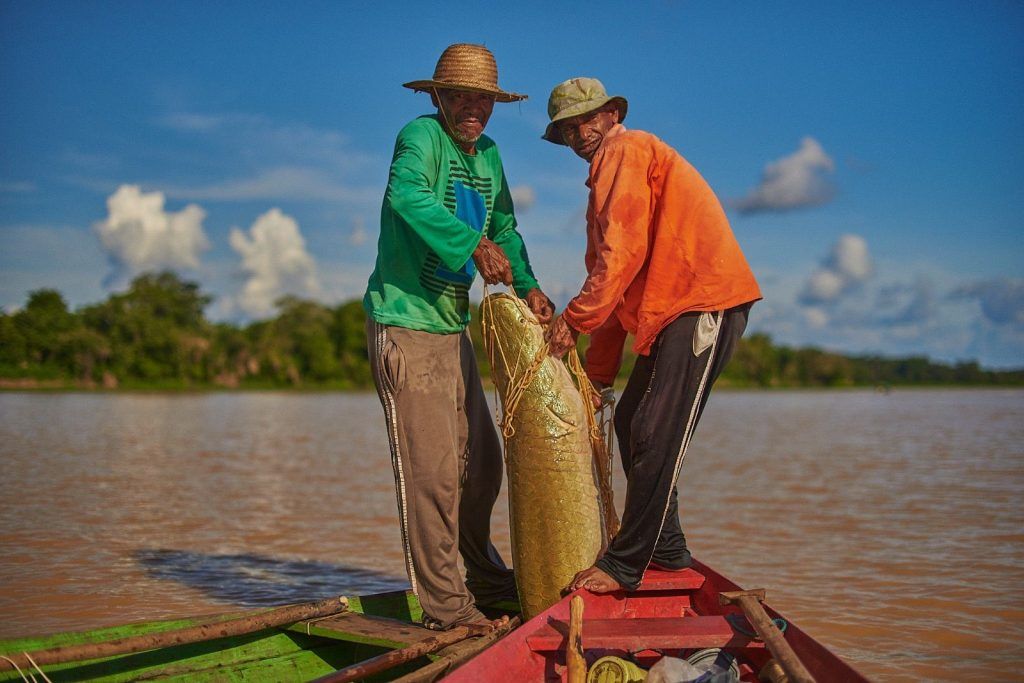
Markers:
(658, 245)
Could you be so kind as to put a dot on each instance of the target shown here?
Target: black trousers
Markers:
(654, 420)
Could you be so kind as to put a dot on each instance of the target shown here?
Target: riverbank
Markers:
(156, 337)
(28, 384)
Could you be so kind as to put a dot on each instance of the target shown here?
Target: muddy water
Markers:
(890, 527)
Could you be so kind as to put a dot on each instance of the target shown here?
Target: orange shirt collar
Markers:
(612, 132)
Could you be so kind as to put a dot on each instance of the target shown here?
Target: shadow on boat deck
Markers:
(251, 580)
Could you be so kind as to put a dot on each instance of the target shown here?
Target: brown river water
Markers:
(888, 526)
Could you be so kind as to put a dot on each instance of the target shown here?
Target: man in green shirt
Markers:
(447, 213)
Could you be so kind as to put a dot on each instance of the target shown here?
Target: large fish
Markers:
(555, 508)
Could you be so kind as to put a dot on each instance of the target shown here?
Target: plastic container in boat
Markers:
(615, 670)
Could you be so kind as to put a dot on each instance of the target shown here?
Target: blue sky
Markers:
(870, 155)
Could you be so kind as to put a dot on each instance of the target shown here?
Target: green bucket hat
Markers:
(574, 97)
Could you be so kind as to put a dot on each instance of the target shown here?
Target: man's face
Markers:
(466, 113)
(585, 133)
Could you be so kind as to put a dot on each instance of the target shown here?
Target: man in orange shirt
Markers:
(663, 265)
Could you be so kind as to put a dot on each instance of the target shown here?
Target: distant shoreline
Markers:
(156, 337)
(29, 385)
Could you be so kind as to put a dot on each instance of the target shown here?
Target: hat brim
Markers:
(499, 95)
(551, 133)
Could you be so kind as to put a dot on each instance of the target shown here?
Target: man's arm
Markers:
(411, 195)
(604, 355)
(621, 202)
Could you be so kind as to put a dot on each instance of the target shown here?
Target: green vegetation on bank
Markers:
(156, 336)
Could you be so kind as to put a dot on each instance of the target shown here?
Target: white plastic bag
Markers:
(672, 670)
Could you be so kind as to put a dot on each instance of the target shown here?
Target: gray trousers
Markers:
(448, 467)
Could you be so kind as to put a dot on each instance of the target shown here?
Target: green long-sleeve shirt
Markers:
(438, 203)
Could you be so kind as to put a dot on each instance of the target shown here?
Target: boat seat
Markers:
(633, 635)
(658, 580)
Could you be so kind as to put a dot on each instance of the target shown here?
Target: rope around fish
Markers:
(599, 430)
(601, 433)
(516, 385)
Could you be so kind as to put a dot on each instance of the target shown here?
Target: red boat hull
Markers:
(672, 613)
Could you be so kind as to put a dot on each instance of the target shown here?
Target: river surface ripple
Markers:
(888, 526)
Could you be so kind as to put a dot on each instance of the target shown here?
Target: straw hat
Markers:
(464, 66)
(578, 96)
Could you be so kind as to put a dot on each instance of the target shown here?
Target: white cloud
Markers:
(358, 236)
(258, 137)
(816, 318)
(850, 258)
(523, 197)
(258, 158)
(139, 235)
(282, 183)
(900, 309)
(846, 266)
(792, 182)
(17, 186)
(186, 121)
(1001, 299)
(823, 285)
(907, 304)
(343, 281)
(275, 263)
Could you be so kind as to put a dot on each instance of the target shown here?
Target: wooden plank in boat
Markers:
(643, 633)
(658, 580)
(360, 628)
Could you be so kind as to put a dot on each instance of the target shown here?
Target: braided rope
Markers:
(517, 386)
(599, 430)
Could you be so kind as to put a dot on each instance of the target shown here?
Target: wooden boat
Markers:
(378, 638)
(678, 614)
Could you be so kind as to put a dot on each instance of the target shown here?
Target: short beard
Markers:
(462, 138)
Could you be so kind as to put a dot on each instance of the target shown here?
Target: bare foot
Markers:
(595, 581)
(478, 625)
(486, 625)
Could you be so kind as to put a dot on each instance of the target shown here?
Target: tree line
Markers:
(156, 335)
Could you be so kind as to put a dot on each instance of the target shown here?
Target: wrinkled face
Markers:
(465, 113)
(585, 133)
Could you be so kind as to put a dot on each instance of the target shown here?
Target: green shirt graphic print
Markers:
(438, 203)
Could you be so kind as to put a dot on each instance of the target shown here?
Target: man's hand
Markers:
(492, 263)
(541, 306)
(605, 394)
(560, 337)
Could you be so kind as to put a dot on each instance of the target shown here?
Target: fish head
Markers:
(512, 335)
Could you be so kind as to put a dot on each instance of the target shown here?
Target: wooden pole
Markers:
(576, 664)
(772, 672)
(390, 660)
(750, 603)
(192, 634)
(432, 672)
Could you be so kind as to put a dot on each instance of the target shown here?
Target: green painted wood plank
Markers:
(191, 659)
(100, 635)
(396, 605)
(273, 654)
